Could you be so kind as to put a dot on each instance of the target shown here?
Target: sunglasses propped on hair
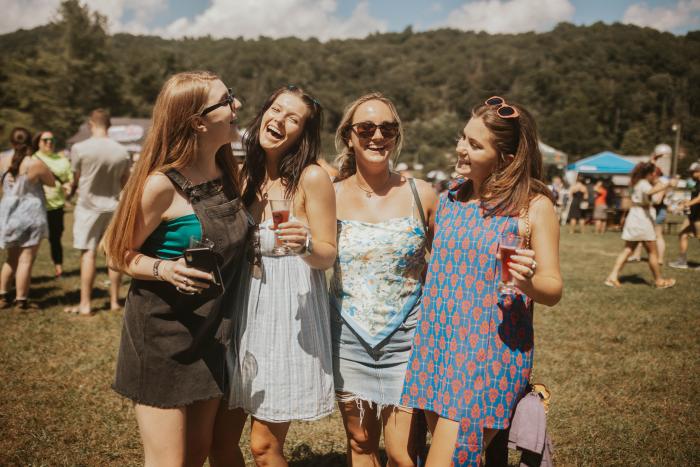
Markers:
(503, 110)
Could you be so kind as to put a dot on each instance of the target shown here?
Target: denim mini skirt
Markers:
(375, 375)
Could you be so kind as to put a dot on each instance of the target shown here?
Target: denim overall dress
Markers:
(172, 350)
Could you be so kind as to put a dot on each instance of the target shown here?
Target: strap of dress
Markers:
(416, 199)
(179, 180)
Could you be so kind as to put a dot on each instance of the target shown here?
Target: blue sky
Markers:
(326, 19)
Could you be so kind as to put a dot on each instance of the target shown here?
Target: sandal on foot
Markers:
(24, 304)
(614, 283)
(665, 284)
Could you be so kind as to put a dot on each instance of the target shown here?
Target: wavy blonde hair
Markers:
(345, 160)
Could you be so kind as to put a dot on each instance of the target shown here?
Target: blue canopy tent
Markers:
(605, 162)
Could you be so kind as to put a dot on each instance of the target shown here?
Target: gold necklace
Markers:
(265, 192)
(369, 193)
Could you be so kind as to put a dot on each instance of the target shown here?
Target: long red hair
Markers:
(171, 143)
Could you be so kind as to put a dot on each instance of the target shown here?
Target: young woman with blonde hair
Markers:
(184, 188)
(385, 227)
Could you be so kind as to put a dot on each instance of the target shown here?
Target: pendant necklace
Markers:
(369, 193)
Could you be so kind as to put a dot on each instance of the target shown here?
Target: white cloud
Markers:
(686, 13)
(276, 18)
(31, 13)
(510, 16)
(223, 18)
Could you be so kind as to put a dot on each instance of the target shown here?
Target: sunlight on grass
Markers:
(621, 365)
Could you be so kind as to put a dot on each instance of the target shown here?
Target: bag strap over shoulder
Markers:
(419, 205)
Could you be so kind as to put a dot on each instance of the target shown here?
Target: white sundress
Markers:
(639, 223)
(280, 358)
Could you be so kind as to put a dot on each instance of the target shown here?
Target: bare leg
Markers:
(23, 276)
(200, 430)
(621, 260)
(683, 241)
(87, 280)
(443, 444)
(637, 253)
(401, 436)
(228, 427)
(8, 269)
(267, 442)
(362, 430)
(660, 242)
(572, 226)
(582, 224)
(162, 434)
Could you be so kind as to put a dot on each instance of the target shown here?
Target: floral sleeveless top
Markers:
(377, 275)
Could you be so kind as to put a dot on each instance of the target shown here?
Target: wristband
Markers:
(156, 273)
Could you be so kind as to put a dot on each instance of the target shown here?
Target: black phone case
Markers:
(205, 260)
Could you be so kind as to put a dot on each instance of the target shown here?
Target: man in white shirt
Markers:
(100, 169)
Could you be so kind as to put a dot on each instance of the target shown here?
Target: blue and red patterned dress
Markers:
(472, 353)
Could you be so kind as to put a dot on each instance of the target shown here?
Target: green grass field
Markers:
(622, 366)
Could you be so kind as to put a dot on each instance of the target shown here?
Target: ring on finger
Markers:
(533, 266)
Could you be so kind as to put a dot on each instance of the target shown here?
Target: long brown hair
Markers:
(509, 189)
(21, 141)
(171, 143)
(346, 155)
(299, 156)
(640, 171)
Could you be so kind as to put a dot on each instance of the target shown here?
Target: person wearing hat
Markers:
(691, 226)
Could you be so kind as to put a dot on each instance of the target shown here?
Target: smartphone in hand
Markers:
(204, 259)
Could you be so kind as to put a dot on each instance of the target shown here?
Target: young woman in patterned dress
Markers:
(472, 353)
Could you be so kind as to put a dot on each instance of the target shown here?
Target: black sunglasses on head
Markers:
(366, 130)
(228, 100)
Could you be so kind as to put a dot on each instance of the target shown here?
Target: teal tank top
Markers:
(172, 237)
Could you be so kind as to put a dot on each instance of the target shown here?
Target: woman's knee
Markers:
(361, 442)
(400, 456)
(264, 446)
(198, 447)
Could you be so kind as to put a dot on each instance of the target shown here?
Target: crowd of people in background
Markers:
(37, 181)
(417, 330)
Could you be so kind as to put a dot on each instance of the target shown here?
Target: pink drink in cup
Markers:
(280, 215)
(507, 244)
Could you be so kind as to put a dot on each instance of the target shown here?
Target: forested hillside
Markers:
(592, 88)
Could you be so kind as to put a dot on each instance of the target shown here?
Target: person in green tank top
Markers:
(44, 144)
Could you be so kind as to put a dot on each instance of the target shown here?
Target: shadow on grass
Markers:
(67, 298)
(303, 456)
(633, 279)
(66, 273)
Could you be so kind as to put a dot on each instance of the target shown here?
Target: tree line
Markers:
(591, 88)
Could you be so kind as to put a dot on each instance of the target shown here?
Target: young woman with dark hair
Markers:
(185, 187)
(22, 215)
(280, 359)
(639, 225)
(45, 147)
(472, 353)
